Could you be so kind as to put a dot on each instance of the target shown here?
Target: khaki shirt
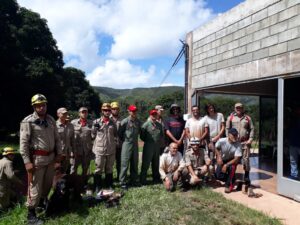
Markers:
(196, 161)
(244, 126)
(7, 176)
(83, 137)
(117, 123)
(105, 134)
(170, 164)
(36, 136)
(67, 137)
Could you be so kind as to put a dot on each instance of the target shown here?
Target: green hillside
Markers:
(106, 93)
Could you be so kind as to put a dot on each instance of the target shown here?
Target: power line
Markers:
(182, 51)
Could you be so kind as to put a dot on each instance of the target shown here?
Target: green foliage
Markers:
(32, 63)
(144, 98)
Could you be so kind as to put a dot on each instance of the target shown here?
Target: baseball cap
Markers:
(132, 108)
(238, 105)
(233, 131)
(105, 106)
(159, 107)
(82, 109)
(62, 110)
(153, 112)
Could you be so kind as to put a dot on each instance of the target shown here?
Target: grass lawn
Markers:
(153, 205)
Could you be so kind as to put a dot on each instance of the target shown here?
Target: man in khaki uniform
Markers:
(7, 178)
(67, 138)
(198, 163)
(117, 120)
(171, 165)
(41, 152)
(244, 125)
(83, 142)
(105, 132)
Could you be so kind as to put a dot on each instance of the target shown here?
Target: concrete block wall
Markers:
(251, 35)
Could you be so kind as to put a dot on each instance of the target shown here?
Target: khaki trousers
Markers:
(40, 185)
(104, 163)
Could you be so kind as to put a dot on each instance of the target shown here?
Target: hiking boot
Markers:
(247, 178)
(109, 181)
(32, 219)
(227, 190)
(245, 189)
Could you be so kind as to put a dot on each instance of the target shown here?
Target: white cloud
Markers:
(150, 28)
(120, 74)
(140, 29)
(74, 24)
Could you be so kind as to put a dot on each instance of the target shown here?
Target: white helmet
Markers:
(194, 141)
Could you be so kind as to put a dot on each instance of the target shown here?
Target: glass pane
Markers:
(291, 148)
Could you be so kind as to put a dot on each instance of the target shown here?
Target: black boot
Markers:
(247, 178)
(97, 182)
(109, 180)
(32, 219)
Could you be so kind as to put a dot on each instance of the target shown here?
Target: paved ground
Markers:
(286, 210)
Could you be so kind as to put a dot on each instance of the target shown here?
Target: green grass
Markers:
(153, 205)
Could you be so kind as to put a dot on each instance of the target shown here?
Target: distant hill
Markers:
(107, 93)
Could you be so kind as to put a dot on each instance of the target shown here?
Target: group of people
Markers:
(180, 152)
(206, 154)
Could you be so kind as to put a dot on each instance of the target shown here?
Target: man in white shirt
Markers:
(171, 165)
(196, 127)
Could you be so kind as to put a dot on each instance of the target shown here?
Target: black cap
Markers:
(233, 131)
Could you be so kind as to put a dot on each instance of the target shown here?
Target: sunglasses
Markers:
(106, 110)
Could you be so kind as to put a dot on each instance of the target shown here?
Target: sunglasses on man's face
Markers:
(106, 110)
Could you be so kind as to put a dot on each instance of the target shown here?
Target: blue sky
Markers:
(125, 43)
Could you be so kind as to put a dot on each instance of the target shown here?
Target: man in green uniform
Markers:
(41, 152)
(67, 138)
(7, 178)
(151, 134)
(244, 125)
(83, 142)
(129, 133)
(105, 132)
(117, 120)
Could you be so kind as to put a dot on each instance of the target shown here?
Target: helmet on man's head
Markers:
(8, 151)
(114, 105)
(194, 141)
(38, 99)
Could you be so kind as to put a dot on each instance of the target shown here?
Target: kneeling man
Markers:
(171, 165)
(197, 161)
(229, 153)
